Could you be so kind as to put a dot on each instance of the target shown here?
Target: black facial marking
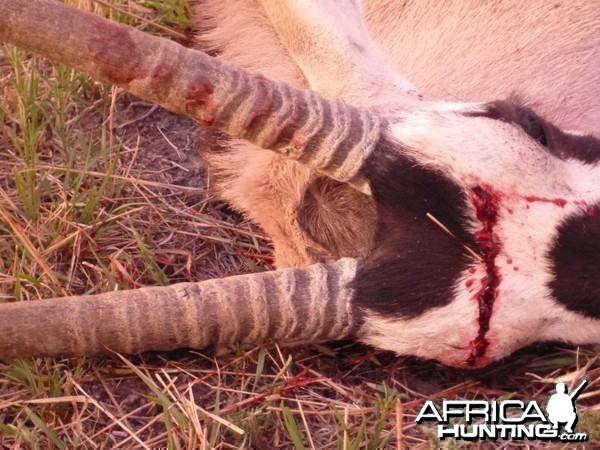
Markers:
(534, 127)
(414, 265)
(563, 145)
(575, 259)
(584, 148)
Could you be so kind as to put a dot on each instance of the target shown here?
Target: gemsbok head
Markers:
(454, 231)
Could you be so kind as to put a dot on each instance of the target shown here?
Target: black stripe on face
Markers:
(575, 259)
(585, 148)
(414, 264)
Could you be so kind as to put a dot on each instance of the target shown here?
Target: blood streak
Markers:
(486, 202)
(561, 202)
(557, 201)
(107, 45)
(199, 101)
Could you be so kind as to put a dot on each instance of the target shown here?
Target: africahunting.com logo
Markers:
(509, 419)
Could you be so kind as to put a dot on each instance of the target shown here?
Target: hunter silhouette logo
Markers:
(561, 406)
(509, 419)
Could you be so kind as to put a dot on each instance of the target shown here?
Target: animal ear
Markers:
(338, 218)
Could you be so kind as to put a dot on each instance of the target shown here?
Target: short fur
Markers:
(460, 50)
(419, 287)
(472, 228)
(575, 257)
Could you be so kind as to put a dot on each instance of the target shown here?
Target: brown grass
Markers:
(99, 191)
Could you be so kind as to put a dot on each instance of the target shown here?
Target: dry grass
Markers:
(99, 191)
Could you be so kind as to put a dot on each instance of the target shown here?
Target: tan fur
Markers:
(266, 187)
(468, 50)
(515, 194)
(548, 52)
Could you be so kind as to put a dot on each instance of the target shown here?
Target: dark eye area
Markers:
(534, 127)
(514, 112)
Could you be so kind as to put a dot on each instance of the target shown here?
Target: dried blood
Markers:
(107, 49)
(199, 101)
(557, 201)
(486, 202)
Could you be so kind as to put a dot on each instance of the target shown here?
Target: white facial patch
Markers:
(534, 192)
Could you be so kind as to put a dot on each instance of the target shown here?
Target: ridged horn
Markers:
(326, 135)
(312, 304)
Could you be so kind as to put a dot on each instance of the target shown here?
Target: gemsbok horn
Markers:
(326, 135)
(454, 231)
(312, 304)
(294, 305)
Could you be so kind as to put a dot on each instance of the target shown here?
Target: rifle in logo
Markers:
(561, 406)
(507, 419)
